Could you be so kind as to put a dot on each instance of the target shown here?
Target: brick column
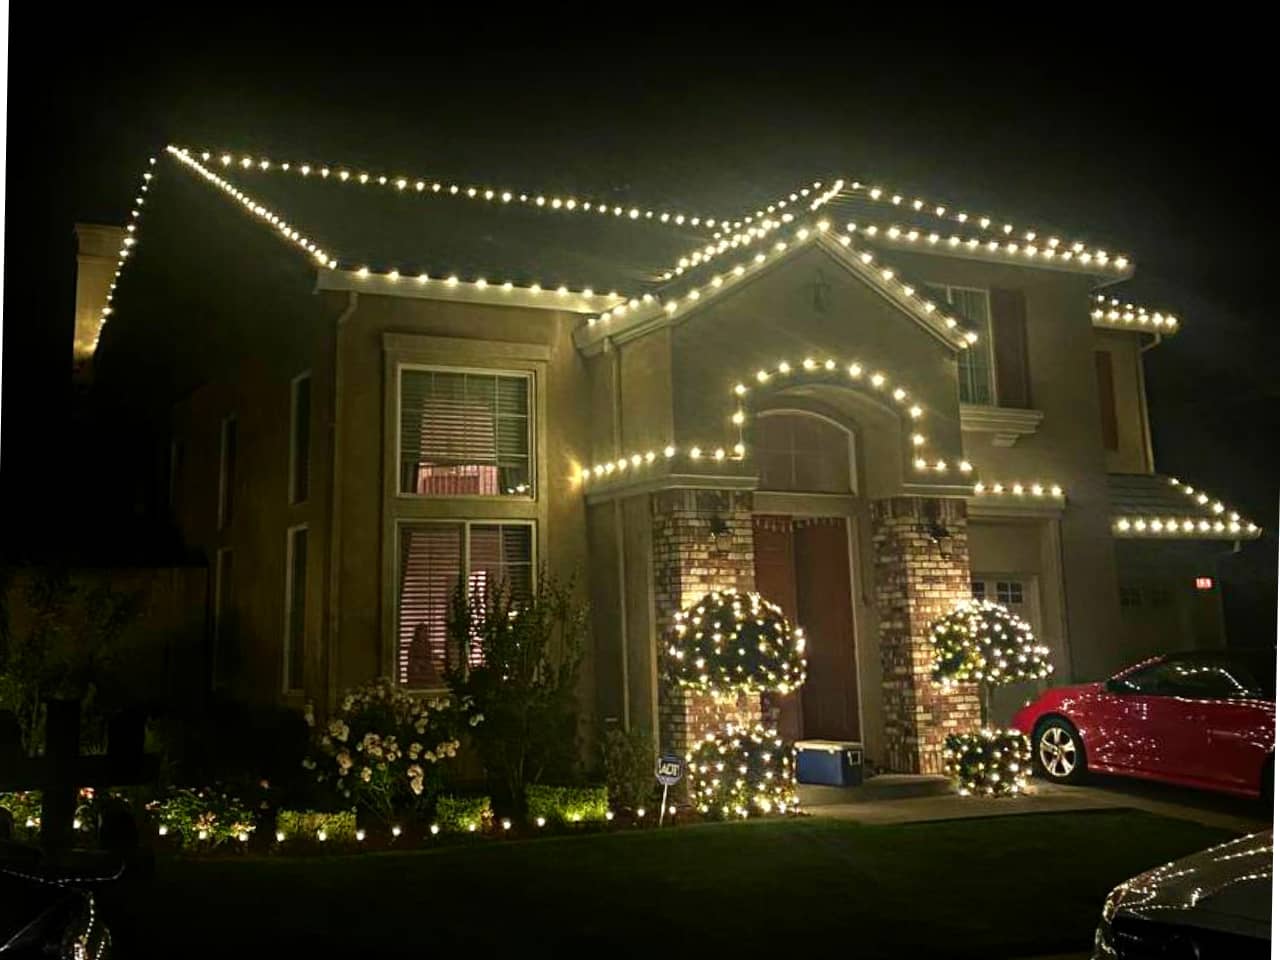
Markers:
(687, 563)
(915, 584)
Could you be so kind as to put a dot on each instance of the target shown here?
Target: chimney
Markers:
(97, 252)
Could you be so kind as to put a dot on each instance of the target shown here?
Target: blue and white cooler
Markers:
(831, 763)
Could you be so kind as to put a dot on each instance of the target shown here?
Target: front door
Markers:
(802, 564)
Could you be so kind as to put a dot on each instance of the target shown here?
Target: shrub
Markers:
(742, 772)
(519, 660)
(568, 804)
(338, 827)
(461, 814)
(384, 748)
(629, 766)
(736, 642)
(206, 815)
(25, 805)
(992, 763)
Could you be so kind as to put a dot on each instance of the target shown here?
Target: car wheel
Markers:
(1057, 751)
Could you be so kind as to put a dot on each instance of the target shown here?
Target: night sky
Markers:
(1147, 144)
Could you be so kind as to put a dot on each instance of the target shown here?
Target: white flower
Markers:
(476, 719)
(366, 774)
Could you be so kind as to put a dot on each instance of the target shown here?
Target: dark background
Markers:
(1150, 144)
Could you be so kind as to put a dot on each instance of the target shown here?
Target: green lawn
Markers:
(1001, 887)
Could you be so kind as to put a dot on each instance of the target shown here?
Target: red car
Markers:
(1195, 719)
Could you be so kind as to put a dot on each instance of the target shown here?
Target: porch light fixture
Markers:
(721, 535)
(941, 538)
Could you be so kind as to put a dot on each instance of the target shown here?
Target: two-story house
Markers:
(865, 404)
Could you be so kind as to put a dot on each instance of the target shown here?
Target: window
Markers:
(979, 589)
(798, 451)
(295, 609)
(224, 619)
(1107, 399)
(975, 364)
(1130, 597)
(227, 473)
(1196, 676)
(300, 439)
(465, 433)
(432, 558)
(1009, 591)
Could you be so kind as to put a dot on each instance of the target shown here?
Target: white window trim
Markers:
(219, 587)
(986, 337)
(851, 446)
(224, 432)
(466, 523)
(287, 647)
(531, 418)
(293, 436)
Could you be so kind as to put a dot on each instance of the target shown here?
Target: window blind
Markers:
(464, 433)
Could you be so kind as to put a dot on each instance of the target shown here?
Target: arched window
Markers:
(803, 452)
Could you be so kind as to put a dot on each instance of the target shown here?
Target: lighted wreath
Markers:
(991, 763)
(982, 642)
(742, 773)
(736, 642)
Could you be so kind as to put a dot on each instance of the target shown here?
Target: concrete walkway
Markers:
(903, 799)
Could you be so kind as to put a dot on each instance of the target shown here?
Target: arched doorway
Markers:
(803, 561)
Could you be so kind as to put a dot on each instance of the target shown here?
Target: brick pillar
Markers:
(687, 563)
(915, 584)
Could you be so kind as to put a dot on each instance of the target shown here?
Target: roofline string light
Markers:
(363, 273)
(1017, 489)
(1115, 314)
(127, 247)
(885, 277)
(983, 222)
(1050, 251)
(1233, 527)
(428, 186)
(876, 382)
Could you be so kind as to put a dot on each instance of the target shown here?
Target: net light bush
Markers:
(983, 643)
(385, 750)
(731, 642)
(742, 772)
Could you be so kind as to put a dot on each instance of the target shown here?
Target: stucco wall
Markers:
(368, 503)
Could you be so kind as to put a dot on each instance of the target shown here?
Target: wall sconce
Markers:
(721, 535)
(941, 537)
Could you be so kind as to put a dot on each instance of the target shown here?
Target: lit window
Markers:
(465, 434)
(797, 451)
(432, 558)
(975, 364)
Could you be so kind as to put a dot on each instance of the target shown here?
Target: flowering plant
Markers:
(205, 814)
(742, 772)
(736, 642)
(383, 747)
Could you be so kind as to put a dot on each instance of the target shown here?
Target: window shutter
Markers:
(430, 567)
(1107, 399)
(1009, 342)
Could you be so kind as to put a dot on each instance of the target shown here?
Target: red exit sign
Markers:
(1204, 583)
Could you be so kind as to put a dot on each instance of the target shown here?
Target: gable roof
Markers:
(611, 254)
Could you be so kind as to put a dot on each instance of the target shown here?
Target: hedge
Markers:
(567, 804)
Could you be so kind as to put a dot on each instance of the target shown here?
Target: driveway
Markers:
(1099, 793)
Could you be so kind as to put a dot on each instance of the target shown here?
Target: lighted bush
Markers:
(567, 804)
(463, 814)
(736, 642)
(338, 827)
(982, 642)
(742, 773)
(207, 815)
(384, 748)
(991, 763)
(24, 805)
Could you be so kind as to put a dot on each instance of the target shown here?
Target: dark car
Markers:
(1204, 719)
